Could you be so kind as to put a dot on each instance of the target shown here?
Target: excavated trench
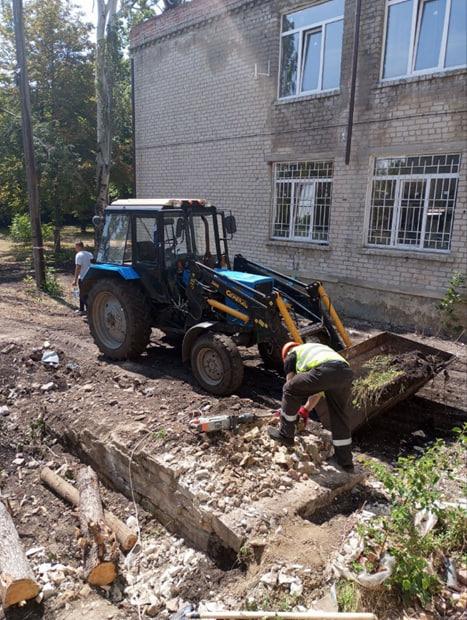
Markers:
(158, 482)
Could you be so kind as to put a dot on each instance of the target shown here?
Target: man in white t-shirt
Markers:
(82, 264)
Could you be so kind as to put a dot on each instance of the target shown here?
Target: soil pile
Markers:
(385, 376)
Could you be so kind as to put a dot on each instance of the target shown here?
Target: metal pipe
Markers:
(353, 82)
(133, 124)
(290, 323)
(285, 615)
(334, 316)
(223, 308)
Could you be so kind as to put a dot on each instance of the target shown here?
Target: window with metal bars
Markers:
(413, 201)
(302, 201)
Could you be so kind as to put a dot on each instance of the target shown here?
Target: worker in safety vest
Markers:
(310, 370)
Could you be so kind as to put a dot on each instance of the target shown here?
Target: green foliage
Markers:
(160, 434)
(448, 305)
(413, 485)
(246, 554)
(347, 595)
(380, 372)
(52, 286)
(37, 428)
(20, 229)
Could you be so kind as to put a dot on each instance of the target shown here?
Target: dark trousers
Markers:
(82, 299)
(335, 380)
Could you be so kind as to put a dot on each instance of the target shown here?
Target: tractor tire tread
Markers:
(234, 379)
(139, 322)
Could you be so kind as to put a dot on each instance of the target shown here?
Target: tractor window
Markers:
(147, 239)
(205, 240)
(175, 246)
(114, 239)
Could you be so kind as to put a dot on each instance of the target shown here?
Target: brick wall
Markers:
(206, 127)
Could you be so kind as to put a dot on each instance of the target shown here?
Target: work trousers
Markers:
(83, 305)
(335, 380)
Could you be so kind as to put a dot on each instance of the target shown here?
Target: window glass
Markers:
(332, 55)
(311, 64)
(398, 30)
(147, 239)
(411, 212)
(413, 201)
(205, 240)
(114, 237)
(430, 34)
(175, 244)
(289, 65)
(456, 52)
(313, 15)
(303, 201)
(314, 52)
(304, 209)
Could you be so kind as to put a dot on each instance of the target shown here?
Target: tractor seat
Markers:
(146, 251)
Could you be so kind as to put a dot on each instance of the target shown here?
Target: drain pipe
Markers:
(353, 82)
(133, 124)
(285, 615)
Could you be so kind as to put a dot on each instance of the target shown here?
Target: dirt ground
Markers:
(159, 391)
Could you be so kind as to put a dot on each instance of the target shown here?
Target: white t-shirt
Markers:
(83, 258)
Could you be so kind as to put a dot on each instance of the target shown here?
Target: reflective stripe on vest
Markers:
(310, 355)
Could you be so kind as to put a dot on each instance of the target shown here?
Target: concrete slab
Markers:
(218, 494)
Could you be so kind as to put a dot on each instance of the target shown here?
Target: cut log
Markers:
(126, 538)
(100, 551)
(17, 581)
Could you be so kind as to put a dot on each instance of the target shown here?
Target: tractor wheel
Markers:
(216, 364)
(271, 356)
(119, 319)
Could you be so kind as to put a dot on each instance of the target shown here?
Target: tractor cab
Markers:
(157, 238)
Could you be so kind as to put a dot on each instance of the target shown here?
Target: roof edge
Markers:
(178, 19)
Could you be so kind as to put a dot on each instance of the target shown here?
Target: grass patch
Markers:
(381, 371)
(348, 595)
(420, 556)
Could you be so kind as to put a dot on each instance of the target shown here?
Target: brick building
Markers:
(246, 103)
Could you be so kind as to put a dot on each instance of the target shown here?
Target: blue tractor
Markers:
(164, 263)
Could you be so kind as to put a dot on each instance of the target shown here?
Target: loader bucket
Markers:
(428, 361)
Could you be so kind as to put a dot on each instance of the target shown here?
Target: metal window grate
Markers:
(413, 201)
(303, 192)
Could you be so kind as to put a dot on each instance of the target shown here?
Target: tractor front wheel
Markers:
(217, 364)
(119, 319)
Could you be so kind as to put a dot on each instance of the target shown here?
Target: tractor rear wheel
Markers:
(217, 364)
(119, 319)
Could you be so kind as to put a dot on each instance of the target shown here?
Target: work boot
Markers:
(343, 458)
(285, 434)
(347, 467)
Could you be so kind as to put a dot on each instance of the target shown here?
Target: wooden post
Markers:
(100, 552)
(28, 147)
(126, 537)
(17, 581)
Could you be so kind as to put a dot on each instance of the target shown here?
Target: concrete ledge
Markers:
(163, 483)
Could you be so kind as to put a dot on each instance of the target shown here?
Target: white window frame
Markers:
(400, 179)
(417, 12)
(294, 182)
(302, 34)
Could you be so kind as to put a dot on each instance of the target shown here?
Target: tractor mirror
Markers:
(180, 227)
(97, 221)
(230, 224)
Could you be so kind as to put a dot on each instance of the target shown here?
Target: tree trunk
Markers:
(100, 552)
(106, 12)
(69, 493)
(17, 581)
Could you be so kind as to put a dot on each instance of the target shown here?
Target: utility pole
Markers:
(28, 147)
